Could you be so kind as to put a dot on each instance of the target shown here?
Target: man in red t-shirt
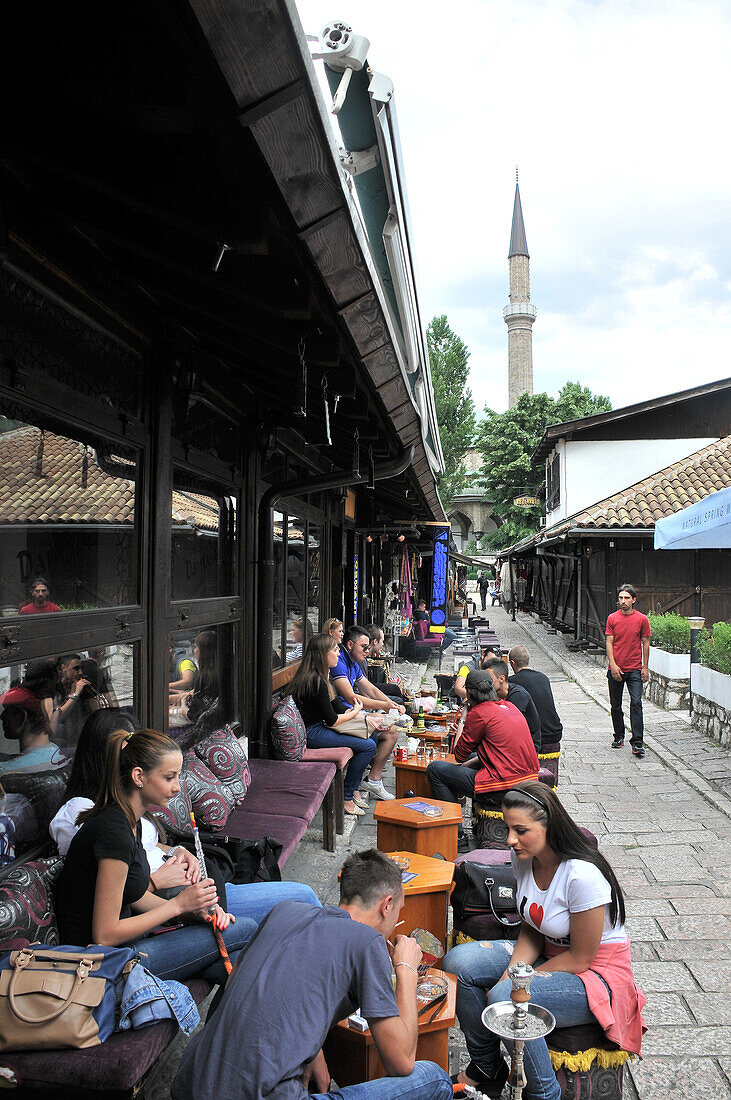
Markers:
(628, 651)
(39, 603)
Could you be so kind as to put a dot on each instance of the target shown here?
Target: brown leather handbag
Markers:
(60, 997)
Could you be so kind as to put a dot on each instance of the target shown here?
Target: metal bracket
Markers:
(9, 645)
(183, 616)
(123, 627)
(233, 610)
(356, 163)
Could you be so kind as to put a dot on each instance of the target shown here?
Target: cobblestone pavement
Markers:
(664, 822)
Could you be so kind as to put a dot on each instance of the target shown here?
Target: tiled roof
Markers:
(663, 493)
(53, 479)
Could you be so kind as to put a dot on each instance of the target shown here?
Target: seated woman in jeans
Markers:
(572, 932)
(169, 867)
(323, 713)
(103, 894)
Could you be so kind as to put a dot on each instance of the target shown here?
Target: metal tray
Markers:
(499, 1019)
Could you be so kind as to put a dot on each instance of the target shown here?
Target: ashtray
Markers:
(430, 989)
(402, 862)
(433, 811)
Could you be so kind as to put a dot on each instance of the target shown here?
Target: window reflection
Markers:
(203, 539)
(299, 630)
(314, 565)
(45, 705)
(278, 601)
(201, 685)
(67, 520)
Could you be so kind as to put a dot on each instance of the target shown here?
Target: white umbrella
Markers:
(703, 526)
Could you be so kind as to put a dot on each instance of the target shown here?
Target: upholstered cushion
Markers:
(108, 1069)
(289, 737)
(223, 754)
(177, 811)
(340, 757)
(211, 799)
(26, 903)
(249, 826)
(581, 1037)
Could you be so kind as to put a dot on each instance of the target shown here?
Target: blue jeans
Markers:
(425, 1082)
(254, 900)
(320, 736)
(478, 967)
(633, 680)
(447, 781)
(447, 638)
(193, 950)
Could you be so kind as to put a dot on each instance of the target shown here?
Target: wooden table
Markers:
(411, 774)
(400, 828)
(352, 1056)
(426, 897)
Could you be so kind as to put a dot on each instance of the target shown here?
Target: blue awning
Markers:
(703, 526)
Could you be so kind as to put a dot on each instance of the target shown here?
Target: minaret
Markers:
(519, 315)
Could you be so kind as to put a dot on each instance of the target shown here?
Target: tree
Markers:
(454, 405)
(507, 441)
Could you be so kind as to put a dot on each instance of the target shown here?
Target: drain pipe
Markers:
(265, 561)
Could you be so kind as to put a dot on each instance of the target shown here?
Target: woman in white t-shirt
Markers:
(572, 912)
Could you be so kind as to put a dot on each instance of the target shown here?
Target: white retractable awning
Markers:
(705, 525)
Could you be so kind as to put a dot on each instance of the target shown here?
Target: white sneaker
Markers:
(377, 787)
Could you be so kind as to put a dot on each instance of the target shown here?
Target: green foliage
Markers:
(455, 408)
(715, 647)
(670, 632)
(507, 440)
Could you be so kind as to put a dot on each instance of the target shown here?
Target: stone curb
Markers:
(693, 778)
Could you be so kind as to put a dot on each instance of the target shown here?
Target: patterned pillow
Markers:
(26, 903)
(212, 800)
(223, 754)
(289, 736)
(177, 811)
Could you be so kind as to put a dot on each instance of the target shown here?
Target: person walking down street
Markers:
(484, 584)
(628, 653)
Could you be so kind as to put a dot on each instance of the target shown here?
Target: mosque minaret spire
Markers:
(519, 314)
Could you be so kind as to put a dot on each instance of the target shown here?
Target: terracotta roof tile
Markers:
(52, 479)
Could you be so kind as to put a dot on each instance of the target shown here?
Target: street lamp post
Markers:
(696, 624)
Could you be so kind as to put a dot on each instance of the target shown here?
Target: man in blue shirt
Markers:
(350, 682)
(305, 969)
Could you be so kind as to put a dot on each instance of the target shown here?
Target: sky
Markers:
(616, 113)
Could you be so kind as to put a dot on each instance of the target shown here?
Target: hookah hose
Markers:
(204, 874)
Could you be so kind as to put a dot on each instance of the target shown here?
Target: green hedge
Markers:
(670, 632)
(715, 648)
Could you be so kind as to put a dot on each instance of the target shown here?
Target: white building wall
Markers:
(594, 469)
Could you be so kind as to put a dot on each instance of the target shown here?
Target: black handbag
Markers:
(233, 860)
(481, 891)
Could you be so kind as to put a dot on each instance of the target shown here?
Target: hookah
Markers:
(518, 1021)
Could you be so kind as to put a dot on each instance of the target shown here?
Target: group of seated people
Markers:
(505, 722)
(193, 688)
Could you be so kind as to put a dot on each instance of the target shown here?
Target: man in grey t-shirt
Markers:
(304, 970)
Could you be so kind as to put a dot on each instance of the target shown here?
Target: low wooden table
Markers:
(400, 828)
(352, 1056)
(411, 774)
(426, 897)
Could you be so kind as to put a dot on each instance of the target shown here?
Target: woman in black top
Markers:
(323, 712)
(103, 893)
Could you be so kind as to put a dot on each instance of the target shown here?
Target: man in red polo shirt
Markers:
(628, 651)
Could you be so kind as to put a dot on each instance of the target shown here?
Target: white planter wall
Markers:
(673, 666)
(669, 684)
(712, 703)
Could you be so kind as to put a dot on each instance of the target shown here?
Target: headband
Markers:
(527, 794)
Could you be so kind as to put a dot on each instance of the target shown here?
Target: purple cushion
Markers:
(26, 903)
(581, 1037)
(285, 786)
(340, 757)
(489, 856)
(248, 826)
(420, 629)
(116, 1065)
(223, 754)
(289, 737)
(211, 799)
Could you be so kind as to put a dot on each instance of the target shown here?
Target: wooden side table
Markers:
(411, 775)
(426, 897)
(402, 829)
(352, 1056)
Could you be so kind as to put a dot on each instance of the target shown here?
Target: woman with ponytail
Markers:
(572, 912)
(103, 894)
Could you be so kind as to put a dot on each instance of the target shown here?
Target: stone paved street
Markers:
(664, 822)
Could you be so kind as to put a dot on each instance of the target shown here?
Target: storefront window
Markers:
(41, 725)
(278, 617)
(68, 539)
(314, 573)
(204, 525)
(202, 678)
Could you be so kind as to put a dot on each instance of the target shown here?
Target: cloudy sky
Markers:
(616, 112)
